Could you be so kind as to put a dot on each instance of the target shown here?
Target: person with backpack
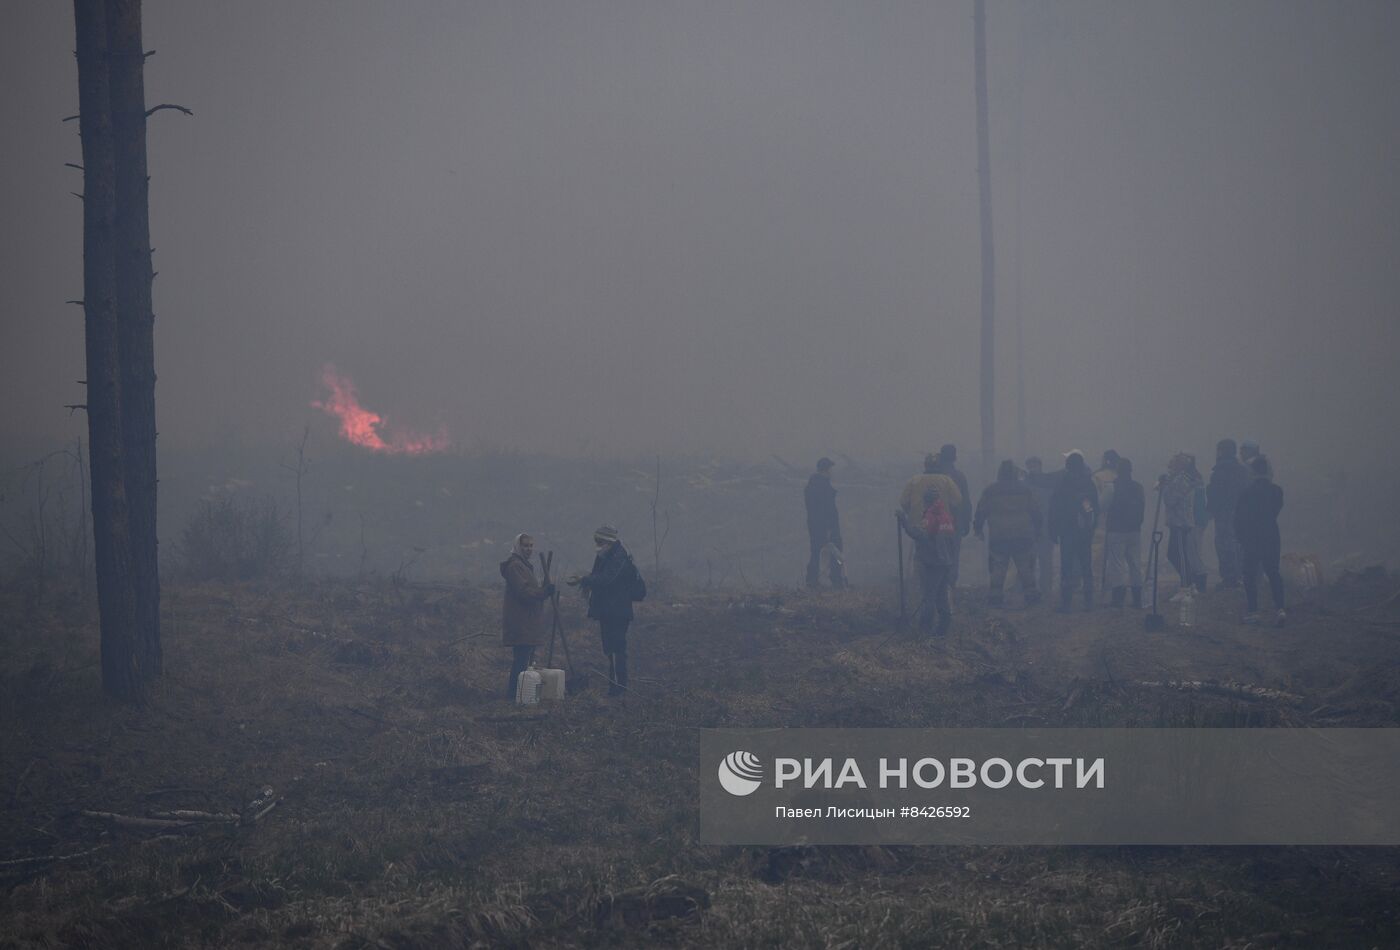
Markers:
(611, 587)
(1256, 526)
(1074, 513)
(1009, 512)
(933, 535)
(1127, 504)
(947, 464)
(522, 612)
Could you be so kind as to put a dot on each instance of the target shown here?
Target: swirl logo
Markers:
(741, 773)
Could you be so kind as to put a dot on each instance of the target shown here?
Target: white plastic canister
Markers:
(527, 688)
(551, 684)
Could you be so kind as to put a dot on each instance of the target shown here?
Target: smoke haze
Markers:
(732, 228)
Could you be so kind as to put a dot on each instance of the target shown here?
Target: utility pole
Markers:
(984, 181)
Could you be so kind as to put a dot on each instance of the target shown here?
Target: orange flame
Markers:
(359, 426)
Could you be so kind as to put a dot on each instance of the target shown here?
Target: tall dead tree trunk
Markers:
(121, 674)
(135, 317)
(984, 181)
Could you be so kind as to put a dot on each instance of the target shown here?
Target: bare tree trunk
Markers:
(135, 317)
(984, 180)
(121, 676)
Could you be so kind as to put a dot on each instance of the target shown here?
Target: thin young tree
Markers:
(984, 190)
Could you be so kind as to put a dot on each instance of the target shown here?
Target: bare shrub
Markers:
(233, 539)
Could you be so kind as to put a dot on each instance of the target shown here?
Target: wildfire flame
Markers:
(359, 426)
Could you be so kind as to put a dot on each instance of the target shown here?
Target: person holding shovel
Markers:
(522, 612)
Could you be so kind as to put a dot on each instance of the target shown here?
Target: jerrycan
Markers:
(527, 688)
(1188, 608)
(551, 684)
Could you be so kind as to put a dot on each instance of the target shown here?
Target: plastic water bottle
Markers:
(527, 688)
(1188, 608)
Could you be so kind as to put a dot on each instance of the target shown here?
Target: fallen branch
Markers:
(16, 862)
(187, 815)
(141, 824)
(1231, 689)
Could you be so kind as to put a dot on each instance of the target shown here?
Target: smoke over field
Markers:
(608, 336)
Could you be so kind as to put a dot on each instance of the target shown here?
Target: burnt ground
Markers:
(413, 807)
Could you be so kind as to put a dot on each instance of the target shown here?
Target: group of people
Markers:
(611, 587)
(1024, 515)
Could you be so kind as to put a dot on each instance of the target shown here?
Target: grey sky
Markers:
(736, 227)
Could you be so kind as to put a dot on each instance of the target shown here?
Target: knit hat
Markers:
(606, 533)
(824, 463)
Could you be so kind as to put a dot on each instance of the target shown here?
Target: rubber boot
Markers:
(1137, 598)
(613, 688)
(1118, 594)
(622, 674)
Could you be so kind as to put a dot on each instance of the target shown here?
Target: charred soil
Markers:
(334, 765)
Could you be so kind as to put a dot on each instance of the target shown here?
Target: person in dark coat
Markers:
(933, 538)
(823, 526)
(1074, 513)
(609, 587)
(962, 511)
(1042, 484)
(1228, 479)
(1256, 526)
(522, 610)
(1123, 516)
(1010, 513)
(1249, 451)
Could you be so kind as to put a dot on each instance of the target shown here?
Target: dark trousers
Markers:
(1263, 559)
(1183, 553)
(614, 633)
(1227, 551)
(933, 586)
(957, 558)
(1076, 555)
(1045, 562)
(520, 657)
(817, 539)
(1001, 555)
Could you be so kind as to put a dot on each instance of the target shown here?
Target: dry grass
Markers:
(416, 808)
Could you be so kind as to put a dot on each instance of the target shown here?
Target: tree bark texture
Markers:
(135, 317)
(119, 327)
(116, 599)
